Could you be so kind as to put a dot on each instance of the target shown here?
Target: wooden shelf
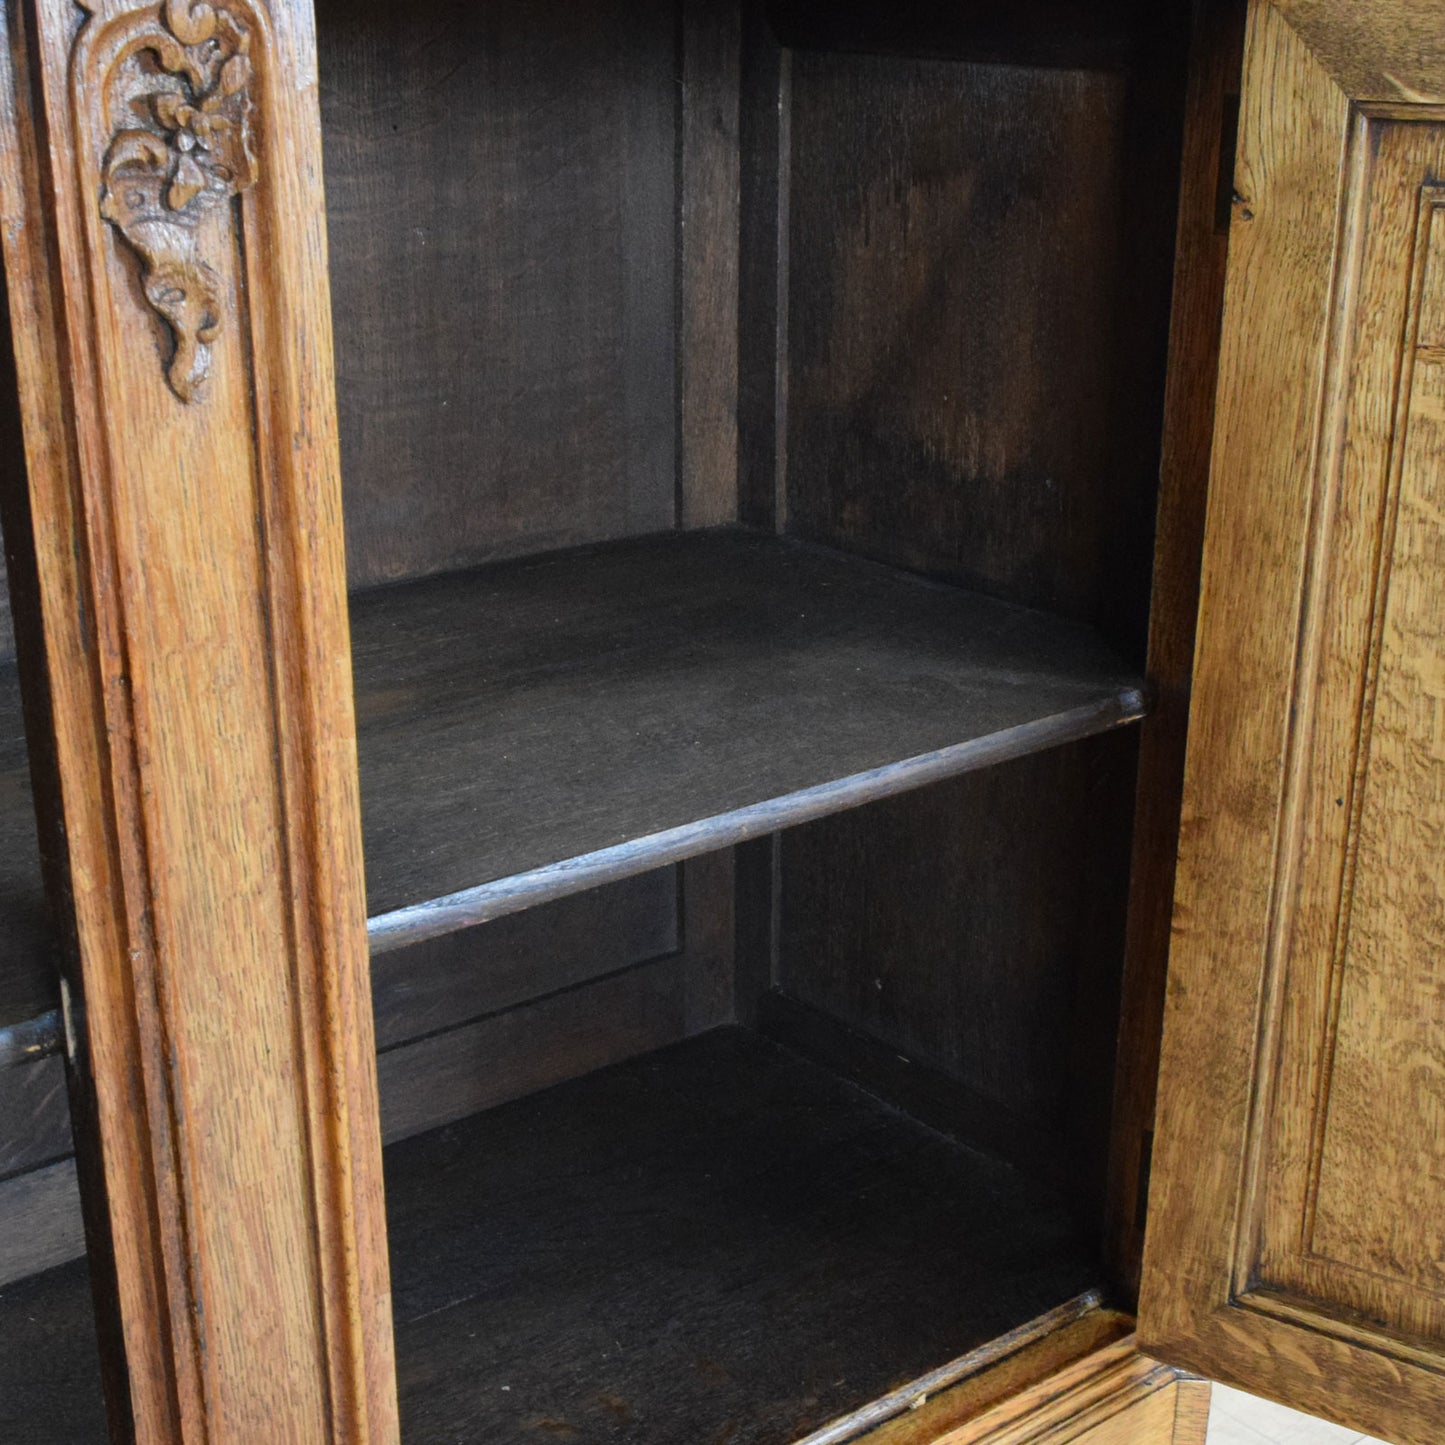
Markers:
(708, 1242)
(537, 728)
(29, 985)
(709, 1239)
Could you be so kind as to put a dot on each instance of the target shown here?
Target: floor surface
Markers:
(1239, 1419)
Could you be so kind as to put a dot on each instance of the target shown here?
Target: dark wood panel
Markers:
(476, 1019)
(49, 1362)
(40, 1227)
(447, 981)
(708, 1243)
(765, 117)
(533, 729)
(710, 170)
(34, 1115)
(613, 974)
(29, 982)
(923, 1093)
(7, 630)
(501, 197)
(967, 308)
(1206, 198)
(448, 1076)
(1079, 34)
(977, 926)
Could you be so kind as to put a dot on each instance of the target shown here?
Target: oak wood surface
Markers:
(712, 1238)
(1085, 1384)
(1207, 172)
(1293, 1243)
(202, 713)
(535, 728)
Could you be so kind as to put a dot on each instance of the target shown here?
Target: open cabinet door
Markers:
(1296, 1240)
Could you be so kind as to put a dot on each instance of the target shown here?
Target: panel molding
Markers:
(1298, 527)
(204, 800)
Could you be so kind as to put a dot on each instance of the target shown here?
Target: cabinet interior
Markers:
(750, 436)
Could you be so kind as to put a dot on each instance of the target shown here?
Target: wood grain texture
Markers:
(709, 220)
(1210, 128)
(205, 746)
(714, 1237)
(552, 723)
(448, 981)
(464, 1023)
(765, 121)
(976, 927)
(958, 253)
(501, 194)
(1389, 50)
(7, 628)
(1359, 1009)
(422, 995)
(1300, 645)
(1087, 1385)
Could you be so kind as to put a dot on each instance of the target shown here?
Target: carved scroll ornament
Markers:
(178, 108)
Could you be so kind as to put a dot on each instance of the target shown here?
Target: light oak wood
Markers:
(1084, 1383)
(165, 249)
(1299, 1181)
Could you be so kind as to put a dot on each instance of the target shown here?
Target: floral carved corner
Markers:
(178, 108)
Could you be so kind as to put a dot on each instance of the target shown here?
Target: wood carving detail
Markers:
(178, 109)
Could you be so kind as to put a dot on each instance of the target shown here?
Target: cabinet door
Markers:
(1297, 1212)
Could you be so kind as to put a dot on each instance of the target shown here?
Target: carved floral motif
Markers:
(178, 99)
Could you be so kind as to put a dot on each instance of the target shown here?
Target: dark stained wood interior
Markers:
(976, 927)
(500, 195)
(959, 265)
(1103, 35)
(50, 1366)
(614, 1255)
(541, 726)
(463, 1023)
(719, 1234)
(29, 984)
(942, 292)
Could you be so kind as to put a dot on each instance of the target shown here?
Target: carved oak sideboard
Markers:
(697, 697)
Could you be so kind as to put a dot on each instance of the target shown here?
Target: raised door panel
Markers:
(1297, 1233)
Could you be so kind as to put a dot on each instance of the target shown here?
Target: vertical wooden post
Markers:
(165, 247)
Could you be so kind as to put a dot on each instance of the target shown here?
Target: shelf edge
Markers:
(42, 1037)
(481, 904)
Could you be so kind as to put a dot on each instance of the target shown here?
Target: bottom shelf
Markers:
(716, 1242)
